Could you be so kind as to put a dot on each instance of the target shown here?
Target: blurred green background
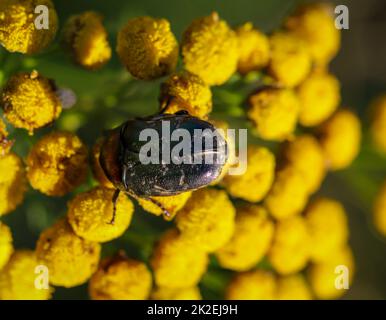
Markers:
(109, 96)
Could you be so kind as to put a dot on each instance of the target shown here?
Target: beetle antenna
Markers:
(159, 205)
(115, 200)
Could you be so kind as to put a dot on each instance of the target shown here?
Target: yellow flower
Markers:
(91, 212)
(254, 184)
(274, 112)
(379, 211)
(86, 37)
(290, 60)
(323, 278)
(30, 101)
(315, 24)
(17, 26)
(147, 47)
(319, 96)
(378, 123)
(340, 137)
(293, 287)
(161, 293)
(71, 260)
(290, 249)
(57, 163)
(252, 285)
(251, 240)
(171, 203)
(97, 170)
(186, 91)
(13, 183)
(6, 247)
(5, 144)
(209, 49)
(305, 154)
(288, 195)
(177, 263)
(327, 224)
(120, 278)
(254, 51)
(17, 279)
(207, 219)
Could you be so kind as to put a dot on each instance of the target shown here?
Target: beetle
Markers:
(121, 163)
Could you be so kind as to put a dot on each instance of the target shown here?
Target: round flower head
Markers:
(254, 184)
(177, 263)
(120, 278)
(18, 278)
(209, 49)
(13, 183)
(274, 112)
(288, 195)
(5, 144)
(252, 285)
(293, 287)
(322, 276)
(171, 203)
(97, 170)
(90, 214)
(208, 219)
(327, 224)
(251, 240)
(70, 259)
(6, 247)
(57, 163)
(86, 37)
(30, 101)
(254, 51)
(290, 249)
(379, 212)
(315, 24)
(290, 60)
(340, 137)
(147, 47)
(18, 32)
(305, 154)
(192, 293)
(378, 123)
(186, 91)
(319, 96)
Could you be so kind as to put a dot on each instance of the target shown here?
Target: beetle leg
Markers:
(159, 205)
(115, 200)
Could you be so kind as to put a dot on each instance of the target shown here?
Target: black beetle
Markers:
(120, 158)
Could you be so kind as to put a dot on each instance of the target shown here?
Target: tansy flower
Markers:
(327, 224)
(57, 163)
(290, 250)
(323, 277)
(379, 211)
(13, 183)
(250, 241)
(319, 96)
(305, 154)
(6, 247)
(18, 32)
(252, 285)
(315, 24)
(161, 293)
(120, 278)
(5, 144)
(186, 91)
(147, 47)
(288, 195)
(171, 203)
(70, 259)
(378, 123)
(293, 287)
(90, 214)
(97, 170)
(254, 184)
(207, 219)
(86, 37)
(274, 112)
(290, 60)
(209, 49)
(18, 277)
(340, 137)
(253, 46)
(177, 263)
(30, 101)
